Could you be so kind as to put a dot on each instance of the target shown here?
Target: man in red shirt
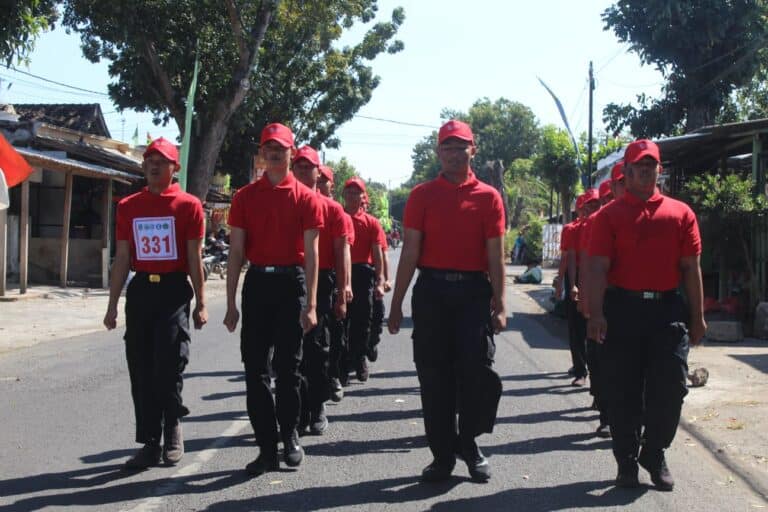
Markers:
(159, 235)
(367, 277)
(378, 309)
(334, 262)
(643, 246)
(454, 233)
(337, 327)
(275, 225)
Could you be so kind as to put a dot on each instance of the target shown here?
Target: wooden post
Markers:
(106, 231)
(65, 230)
(3, 248)
(24, 238)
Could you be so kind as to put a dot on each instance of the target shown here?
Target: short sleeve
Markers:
(413, 217)
(122, 223)
(335, 220)
(691, 239)
(494, 225)
(196, 226)
(585, 233)
(564, 235)
(236, 217)
(311, 212)
(375, 230)
(601, 239)
(349, 228)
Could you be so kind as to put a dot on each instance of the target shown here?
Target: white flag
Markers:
(4, 199)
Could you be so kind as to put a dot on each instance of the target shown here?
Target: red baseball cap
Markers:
(164, 147)
(605, 189)
(355, 182)
(279, 133)
(591, 194)
(327, 172)
(640, 149)
(617, 172)
(309, 153)
(457, 129)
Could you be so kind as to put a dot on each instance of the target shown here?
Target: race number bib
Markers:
(155, 238)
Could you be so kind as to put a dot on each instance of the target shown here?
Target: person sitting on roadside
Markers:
(532, 274)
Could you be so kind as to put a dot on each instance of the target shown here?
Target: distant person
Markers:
(518, 249)
(532, 274)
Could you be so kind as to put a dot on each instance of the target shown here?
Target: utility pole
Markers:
(589, 139)
(122, 122)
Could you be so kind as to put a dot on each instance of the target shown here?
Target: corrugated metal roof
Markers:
(41, 159)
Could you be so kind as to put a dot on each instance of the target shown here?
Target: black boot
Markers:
(293, 453)
(478, 466)
(265, 462)
(438, 471)
(627, 476)
(656, 465)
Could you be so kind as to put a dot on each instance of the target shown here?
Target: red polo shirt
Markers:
(367, 229)
(383, 239)
(455, 222)
(645, 241)
(336, 223)
(274, 219)
(157, 228)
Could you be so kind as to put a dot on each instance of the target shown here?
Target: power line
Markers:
(403, 123)
(58, 83)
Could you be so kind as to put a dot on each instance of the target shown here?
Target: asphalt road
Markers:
(67, 426)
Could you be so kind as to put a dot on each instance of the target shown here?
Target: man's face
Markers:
(275, 156)
(158, 170)
(325, 186)
(606, 199)
(353, 198)
(618, 187)
(455, 154)
(306, 172)
(642, 175)
(591, 207)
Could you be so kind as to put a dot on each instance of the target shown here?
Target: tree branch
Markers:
(237, 30)
(161, 78)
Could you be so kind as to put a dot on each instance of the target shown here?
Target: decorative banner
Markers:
(565, 120)
(185, 141)
(15, 168)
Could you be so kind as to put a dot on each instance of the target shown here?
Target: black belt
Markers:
(452, 275)
(363, 265)
(161, 277)
(645, 294)
(276, 269)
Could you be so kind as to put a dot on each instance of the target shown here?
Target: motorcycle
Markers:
(215, 255)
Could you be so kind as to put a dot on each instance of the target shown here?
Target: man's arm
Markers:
(195, 262)
(409, 258)
(584, 283)
(385, 269)
(495, 249)
(120, 268)
(234, 264)
(342, 264)
(378, 265)
(573, 293)
(562, 268)
(309, 314)
(691, 271)
(598, 273)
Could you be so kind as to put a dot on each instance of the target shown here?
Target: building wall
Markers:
(84, 261)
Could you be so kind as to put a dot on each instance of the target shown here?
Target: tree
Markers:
(290, 73)
(703, 48)
(424, 158)
(556, 164)
(342, 171)
(397, 199)
(528, 194)
(21, 24)
(731, 206)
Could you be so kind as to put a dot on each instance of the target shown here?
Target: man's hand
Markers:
(340, 310)
(387, 286)
(110, 319)
(348, 295)
(308, 319)
(395, 319)
(696, 331)
(200, 315)
(575, 293)
(231, 318)
(378, 291)
(596, 328)
(498, 315)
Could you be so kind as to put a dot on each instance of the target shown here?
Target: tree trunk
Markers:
(205, 151)
(565, 195)
(698, 116)
(517, 212)
(496, 175)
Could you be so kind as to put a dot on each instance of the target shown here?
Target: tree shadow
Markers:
(376, 416)
(542, 417)
(560, 389)
(393, 375)
(373, 391)
(394, 491)
(536, 376)
(190, 446)
(757, 361)
(83, 494)
(346, 447)
(560, 443)
(218, 416)
(540, 330)
(570, 496)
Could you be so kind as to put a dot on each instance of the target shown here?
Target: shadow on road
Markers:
(375, 416)
(564, 442)
(373, 391)
(542, 417)
(560, 389)
(190, 446)
(346, 448)
(236, 376)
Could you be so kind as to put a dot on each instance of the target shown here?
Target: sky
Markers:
(455, 53)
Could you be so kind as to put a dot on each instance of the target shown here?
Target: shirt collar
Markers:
(173, 190)
(469, 182)
(288, 182)
(632, 199)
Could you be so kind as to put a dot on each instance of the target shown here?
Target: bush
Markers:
(533, 236)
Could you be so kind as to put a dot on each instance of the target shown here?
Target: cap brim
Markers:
(644, 153)
(278, 140)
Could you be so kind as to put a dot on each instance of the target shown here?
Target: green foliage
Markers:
(704, 48)
(397, 200)
(21, 23)
(556, 159)
(728, 197)
(342, 171)
(424, 158)
(533, 234)
(526, 191)
(295, 74)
